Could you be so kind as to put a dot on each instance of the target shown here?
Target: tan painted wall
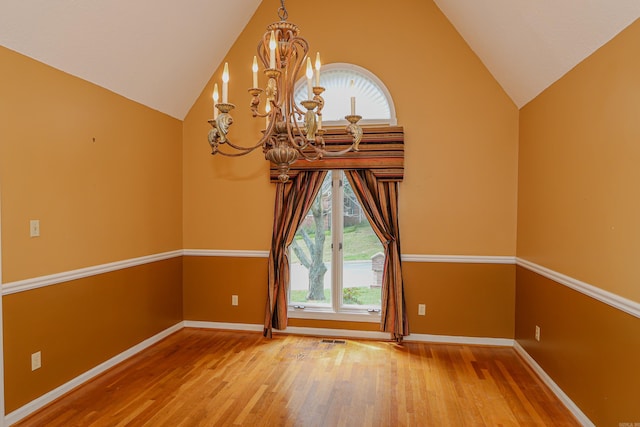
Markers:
(113, 199)
(461, 130)
(578, 212)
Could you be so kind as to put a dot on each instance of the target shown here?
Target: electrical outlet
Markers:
(234, 299)
(36, 361)
(537, 335)
(34, 228)
(422, 309)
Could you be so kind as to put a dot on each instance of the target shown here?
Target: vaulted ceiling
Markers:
(162, 53)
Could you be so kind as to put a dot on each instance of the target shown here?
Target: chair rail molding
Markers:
(53, 279)
(609, 298)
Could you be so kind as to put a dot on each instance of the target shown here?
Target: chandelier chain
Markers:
(282, 11)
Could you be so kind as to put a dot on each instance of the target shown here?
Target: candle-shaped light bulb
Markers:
(225, 83)
(318, 69)
(254, 69)
(215, 96)
(309, 77)
(272, 50)
(353, 98)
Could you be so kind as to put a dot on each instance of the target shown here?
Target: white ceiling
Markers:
(529, 44)
(161, 53)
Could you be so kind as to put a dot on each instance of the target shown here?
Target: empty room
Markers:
(319, 213)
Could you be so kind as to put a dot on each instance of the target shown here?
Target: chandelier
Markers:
(291, 131)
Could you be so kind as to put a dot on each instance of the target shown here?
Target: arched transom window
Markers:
(343, 81)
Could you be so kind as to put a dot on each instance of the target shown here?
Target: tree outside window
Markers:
(336, 258)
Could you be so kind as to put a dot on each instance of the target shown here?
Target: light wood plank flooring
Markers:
(215, 378)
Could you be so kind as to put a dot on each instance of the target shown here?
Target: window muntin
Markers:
(347, 265)
(373, 100)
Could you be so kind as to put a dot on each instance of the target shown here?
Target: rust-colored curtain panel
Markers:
(379, 199)
(293, 200)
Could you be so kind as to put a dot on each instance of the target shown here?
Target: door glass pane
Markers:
(310, 253)
(363, 255)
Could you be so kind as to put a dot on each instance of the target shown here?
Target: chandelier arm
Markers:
(300, 142)
(246, 150)
(268, 133)
(292, 127)
(262, 52)
(338, 153)
(299, 49)
(315, 154)
(242, 153)
(301, 43)
(272, 140)
(295, 136)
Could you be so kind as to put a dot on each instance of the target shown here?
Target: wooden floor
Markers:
(213, 378)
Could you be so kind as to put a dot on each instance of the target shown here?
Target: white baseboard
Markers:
(49, 397)
(350, 333)
(252, 327)
(566, 400)
(336, 333)
(293, 330)
(452, 339)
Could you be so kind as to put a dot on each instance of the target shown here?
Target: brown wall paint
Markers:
(590, 349)
(462, 299)
(79, 324)
(475, 300)
(209, 282)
